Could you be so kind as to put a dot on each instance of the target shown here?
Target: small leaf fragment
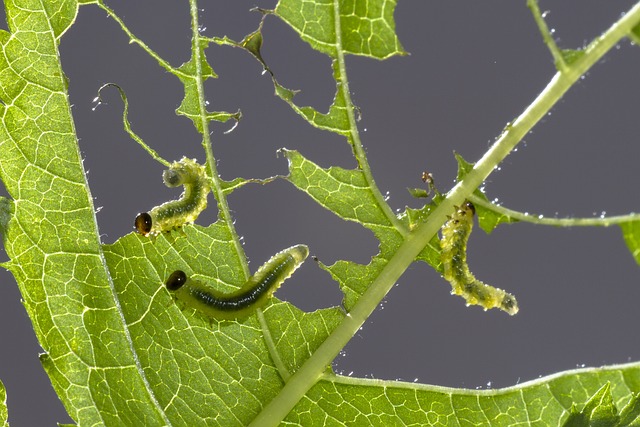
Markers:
(630, 414)
(571, 55)
(418, 193)
(598, 411)
(631, 235)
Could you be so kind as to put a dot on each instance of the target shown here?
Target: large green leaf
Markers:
(119, 351)
(52, 237)
(4, 417)
(542, 402)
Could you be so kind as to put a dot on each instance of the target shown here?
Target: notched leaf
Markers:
(347, 194)
(190, 105)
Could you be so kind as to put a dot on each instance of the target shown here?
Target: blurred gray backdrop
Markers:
(473, 67)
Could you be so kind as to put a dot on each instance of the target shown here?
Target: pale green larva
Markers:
(174, 214)
(255, 293)
(455, 234)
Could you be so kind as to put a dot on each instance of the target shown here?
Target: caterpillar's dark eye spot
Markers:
(176, 280)
(143, 223)
(470, 206)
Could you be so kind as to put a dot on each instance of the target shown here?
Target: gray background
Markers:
(474, 66)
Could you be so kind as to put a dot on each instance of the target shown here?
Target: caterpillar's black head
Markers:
(143, 223)
(176, 280)
(470, 206)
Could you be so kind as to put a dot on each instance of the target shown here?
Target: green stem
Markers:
(127, 126)
(164, 64)
(216, 185)
(313, 369)
(603, 221)
(546, 35)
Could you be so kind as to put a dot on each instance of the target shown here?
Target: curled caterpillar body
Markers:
(253, 294)
(186, 209)
(455, 234)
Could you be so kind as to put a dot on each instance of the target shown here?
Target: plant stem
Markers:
(133, 39)
(127, 126)
(216, 185)
(313, 369)
(603, 221)
(561, 65)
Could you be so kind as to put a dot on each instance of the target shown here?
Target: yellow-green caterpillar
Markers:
(243, 302)
(176, 213)
(455, 234)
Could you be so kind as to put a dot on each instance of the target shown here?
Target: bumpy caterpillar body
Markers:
(455, 234)
(255, 293)
(173, 214)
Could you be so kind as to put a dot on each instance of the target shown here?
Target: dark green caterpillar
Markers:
(243, 302)
(455, 234)
(176, 213)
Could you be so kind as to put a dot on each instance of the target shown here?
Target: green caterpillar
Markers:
(176, 213)
(455, 234)
(253, 294)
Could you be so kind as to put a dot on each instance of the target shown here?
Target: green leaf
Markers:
(352, 26)
(631, 235)
(199, 368)
(418, 193)
(347, 194)
(119, 351)
(52, 237)
(543, 402)
(598, 411)
(630, 414)
(335, 28)
(4, 416)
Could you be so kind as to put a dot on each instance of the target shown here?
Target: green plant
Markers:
(120, 352)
